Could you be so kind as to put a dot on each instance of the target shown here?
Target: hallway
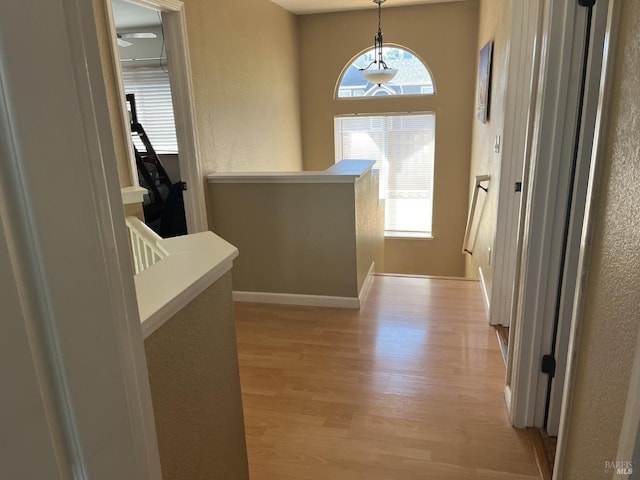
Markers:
(409, 387)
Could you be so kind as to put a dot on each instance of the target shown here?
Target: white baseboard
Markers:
(296, 299)
(503, 348)
(485, 294)
(366, 286)
(308, 300)
(507, 400)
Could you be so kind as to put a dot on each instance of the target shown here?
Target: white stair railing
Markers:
(144, 244)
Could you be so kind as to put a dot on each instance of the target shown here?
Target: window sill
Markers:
(407, 236)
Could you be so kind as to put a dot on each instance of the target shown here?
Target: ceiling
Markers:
(302, 7)
(128, 15)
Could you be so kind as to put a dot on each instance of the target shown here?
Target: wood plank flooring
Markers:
(409, 387)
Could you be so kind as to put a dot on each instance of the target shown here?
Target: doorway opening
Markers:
(149, 104)
(174, 33)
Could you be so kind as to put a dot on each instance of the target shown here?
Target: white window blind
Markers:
(403, 147)
(150, 85)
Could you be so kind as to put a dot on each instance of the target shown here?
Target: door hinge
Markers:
(184, 185)
(548, 365)
(518, 187)
(586, 3)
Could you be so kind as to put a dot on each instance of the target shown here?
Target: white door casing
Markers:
(631, 423)
(75, 399)
(177, 45)
(552, 140)
(548, 184)
(519, 98)
(588, 126)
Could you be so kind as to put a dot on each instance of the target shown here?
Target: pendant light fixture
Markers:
(380, 73)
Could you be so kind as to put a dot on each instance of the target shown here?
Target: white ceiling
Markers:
(302, 7)
(128, 15)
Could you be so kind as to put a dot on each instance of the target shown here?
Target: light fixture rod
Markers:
(378, 39)
(383, 73)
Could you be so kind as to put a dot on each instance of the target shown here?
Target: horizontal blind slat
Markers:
(154, 106)
(403, 147)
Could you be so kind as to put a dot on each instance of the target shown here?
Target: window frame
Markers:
(368, 87)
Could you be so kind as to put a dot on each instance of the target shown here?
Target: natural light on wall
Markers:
(403, 147)
(413, 77)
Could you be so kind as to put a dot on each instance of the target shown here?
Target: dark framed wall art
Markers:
(484, 82)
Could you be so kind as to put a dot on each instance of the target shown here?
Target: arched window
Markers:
(413, 76)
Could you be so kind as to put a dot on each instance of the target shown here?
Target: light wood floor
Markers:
(409, 387)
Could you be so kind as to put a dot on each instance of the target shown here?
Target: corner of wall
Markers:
(247, 93)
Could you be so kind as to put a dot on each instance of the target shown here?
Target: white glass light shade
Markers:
(379, 75)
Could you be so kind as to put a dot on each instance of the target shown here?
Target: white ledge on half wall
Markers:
(133, 194)
(192, 264)
(345, 171)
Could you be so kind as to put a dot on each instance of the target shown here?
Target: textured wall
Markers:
(195, 387)
(293, 238)
(494, 25)
(445, 37)
(612, 312)
(369, 231)
(134, 210)
(244, 58)
(119, 133)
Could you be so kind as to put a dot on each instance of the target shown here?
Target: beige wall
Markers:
(244, 58)
(445, 37)
(612, 312)
(369, 229)
(119, 133)
(134, 210)
(300, 238)
(195, 387)
(494, 25)
(245, 69)
(292, 238)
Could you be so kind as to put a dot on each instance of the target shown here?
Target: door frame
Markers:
(178, 59)
(591, 118)
(75, 354)
(542, 225)
(522, 71)
(631, 424)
